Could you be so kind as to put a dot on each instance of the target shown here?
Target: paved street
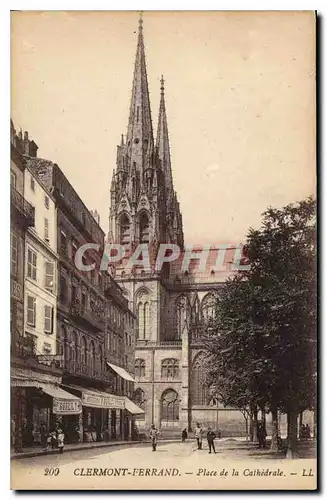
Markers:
(173, 465)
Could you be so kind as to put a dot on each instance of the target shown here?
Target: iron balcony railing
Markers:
(23, 206)
(96, 322)
(23, 348)
(77, 368)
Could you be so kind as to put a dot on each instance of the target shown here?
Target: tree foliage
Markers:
(262, 341)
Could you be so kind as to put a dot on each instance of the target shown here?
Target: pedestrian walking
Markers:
(184, 435)
(262, 434)
(153, 436)
(211, 436)
(198, 436)
(60, 440)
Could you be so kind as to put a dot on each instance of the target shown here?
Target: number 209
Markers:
(51, 471)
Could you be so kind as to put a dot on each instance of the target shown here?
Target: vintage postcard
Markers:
(163, 250)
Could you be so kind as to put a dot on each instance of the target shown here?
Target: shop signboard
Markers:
(99, 401)
(66, 406)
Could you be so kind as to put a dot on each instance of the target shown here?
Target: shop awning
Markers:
(132, 407)
(23, 382)
(121, 372)
(94, 398)
(64, 403)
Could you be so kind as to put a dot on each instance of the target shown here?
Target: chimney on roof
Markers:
(29, 147)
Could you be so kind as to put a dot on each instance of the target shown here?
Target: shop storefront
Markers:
(36, 405)
(126, 384)
(104, 416)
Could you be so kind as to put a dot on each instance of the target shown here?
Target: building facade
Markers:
(95, 327)
(35, 377)
(41, 268)
(172, 305)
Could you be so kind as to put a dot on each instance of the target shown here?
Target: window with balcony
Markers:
(14, 253)
(46, 230)
(31, 310)
(49, 276)
(92, 356)
(31, 264)
(83, 351)
(48, 319)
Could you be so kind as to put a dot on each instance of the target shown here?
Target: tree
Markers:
(262, 342)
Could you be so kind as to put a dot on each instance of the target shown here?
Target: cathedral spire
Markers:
(162, 141)
(139, 131)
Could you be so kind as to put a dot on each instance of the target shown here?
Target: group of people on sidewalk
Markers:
(211, 436)
(56, 439)
(198, 434)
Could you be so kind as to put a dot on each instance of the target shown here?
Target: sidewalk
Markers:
(39, 450)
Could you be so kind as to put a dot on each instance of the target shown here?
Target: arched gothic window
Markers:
(195, 311)
(125, 230)
(169, 368)
(139, 368)
(182, 310)
(144, 228)
(199, 389)
(208, 308)
(169, 406)
(143, 317)
(139, 400)
(146, 320)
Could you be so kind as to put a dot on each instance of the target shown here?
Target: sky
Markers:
(240, 100)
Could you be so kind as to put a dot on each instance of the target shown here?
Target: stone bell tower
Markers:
(143, 203)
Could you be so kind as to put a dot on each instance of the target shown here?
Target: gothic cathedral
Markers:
(171, 306)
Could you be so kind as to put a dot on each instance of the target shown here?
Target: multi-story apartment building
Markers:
(41, 268)
(35, 373)
(94, 324)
